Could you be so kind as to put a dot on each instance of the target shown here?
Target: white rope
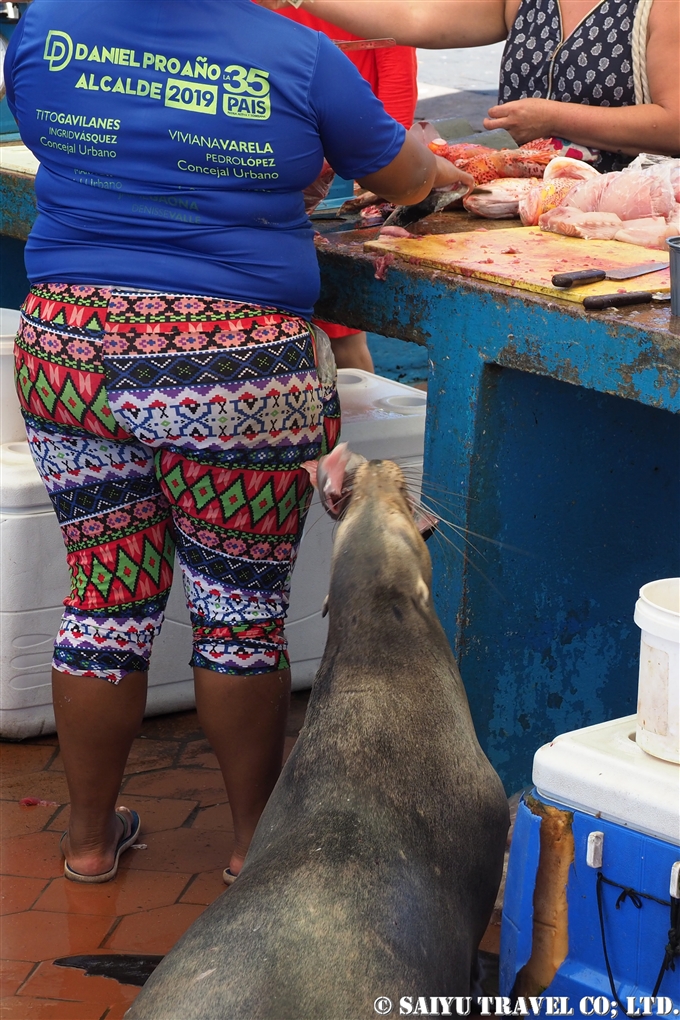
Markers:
(639, 49)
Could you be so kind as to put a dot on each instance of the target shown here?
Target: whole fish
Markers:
(499, 199)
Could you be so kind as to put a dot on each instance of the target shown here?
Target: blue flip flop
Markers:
(124, 843)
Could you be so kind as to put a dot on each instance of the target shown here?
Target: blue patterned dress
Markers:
(593, 65)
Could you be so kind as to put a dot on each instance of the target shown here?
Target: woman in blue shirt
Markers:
(171, 383)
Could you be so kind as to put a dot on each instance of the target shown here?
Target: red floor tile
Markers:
(153, 931)
(182, 850)
(199, 753)
(43, 785)
(177, 726)
(34, 856)
(52, 982)
(202, 785)
(156, 813)
(16, 759)
(39, 935)
(204, 889)
(119, 1011)
(17, 894)
(12, 974)
(130, 891)
(16, 820)
(59, 822)
(216, 817)
(145, 756)
(24, 1008)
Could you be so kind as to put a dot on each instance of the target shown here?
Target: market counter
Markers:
(551, 437)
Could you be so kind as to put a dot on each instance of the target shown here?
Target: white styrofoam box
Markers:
(11, 422)
(601, 770)
(381, 419)
(33, 581)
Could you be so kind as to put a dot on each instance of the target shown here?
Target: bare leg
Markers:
(352, 352)
(244, 718)
(96, 722)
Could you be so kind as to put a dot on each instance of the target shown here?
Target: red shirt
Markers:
(391, 72)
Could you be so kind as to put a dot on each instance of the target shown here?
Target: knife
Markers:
(437, 200)
(595, 275)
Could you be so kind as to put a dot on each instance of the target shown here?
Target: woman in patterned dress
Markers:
(573, 69)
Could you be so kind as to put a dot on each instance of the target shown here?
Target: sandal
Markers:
(228, 876)
(131, 827)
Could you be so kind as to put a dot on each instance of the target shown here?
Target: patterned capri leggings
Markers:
(162, 420)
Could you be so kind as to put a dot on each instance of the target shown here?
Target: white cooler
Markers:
(381, 419)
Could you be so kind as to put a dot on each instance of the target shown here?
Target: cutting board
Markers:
(527, 258)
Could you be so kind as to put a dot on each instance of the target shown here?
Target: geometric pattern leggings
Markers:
(162, 422)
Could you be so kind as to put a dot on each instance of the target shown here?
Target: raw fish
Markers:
(485, 164)
(565, 166)
(644, 198)
(543, 196)
(499, 199)
(576, 223)
(650, 231)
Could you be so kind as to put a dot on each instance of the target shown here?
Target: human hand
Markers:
(273, 5)
(447, 174)
(524, 119)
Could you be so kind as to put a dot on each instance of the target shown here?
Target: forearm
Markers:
(408, 179)
(432, 24)
(627, 129)
(413, 173)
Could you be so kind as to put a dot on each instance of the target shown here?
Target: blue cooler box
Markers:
(623, 809)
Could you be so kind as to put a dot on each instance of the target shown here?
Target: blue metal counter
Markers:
(551, 433)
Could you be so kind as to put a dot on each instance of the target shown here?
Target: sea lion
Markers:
(374, 868)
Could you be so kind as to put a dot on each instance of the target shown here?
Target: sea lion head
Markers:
(378, 543)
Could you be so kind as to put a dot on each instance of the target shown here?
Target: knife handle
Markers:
(598, 301)
(582, 276)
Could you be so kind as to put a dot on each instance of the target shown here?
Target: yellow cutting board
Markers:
(527, 258)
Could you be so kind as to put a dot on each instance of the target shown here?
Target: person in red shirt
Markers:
(392, 74)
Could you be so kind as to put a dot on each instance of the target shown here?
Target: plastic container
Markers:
(674, 248)
(602, 771)
(622, 813)
(632, 938)
(657, 614)
(381, 419)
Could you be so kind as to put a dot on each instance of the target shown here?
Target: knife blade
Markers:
(364, 44)
(582, 276)
(404, 215)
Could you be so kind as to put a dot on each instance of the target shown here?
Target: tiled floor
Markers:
(173, 781)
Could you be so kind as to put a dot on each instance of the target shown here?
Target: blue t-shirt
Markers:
(175, 140)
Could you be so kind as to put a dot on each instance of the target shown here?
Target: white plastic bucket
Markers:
(657, 614)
